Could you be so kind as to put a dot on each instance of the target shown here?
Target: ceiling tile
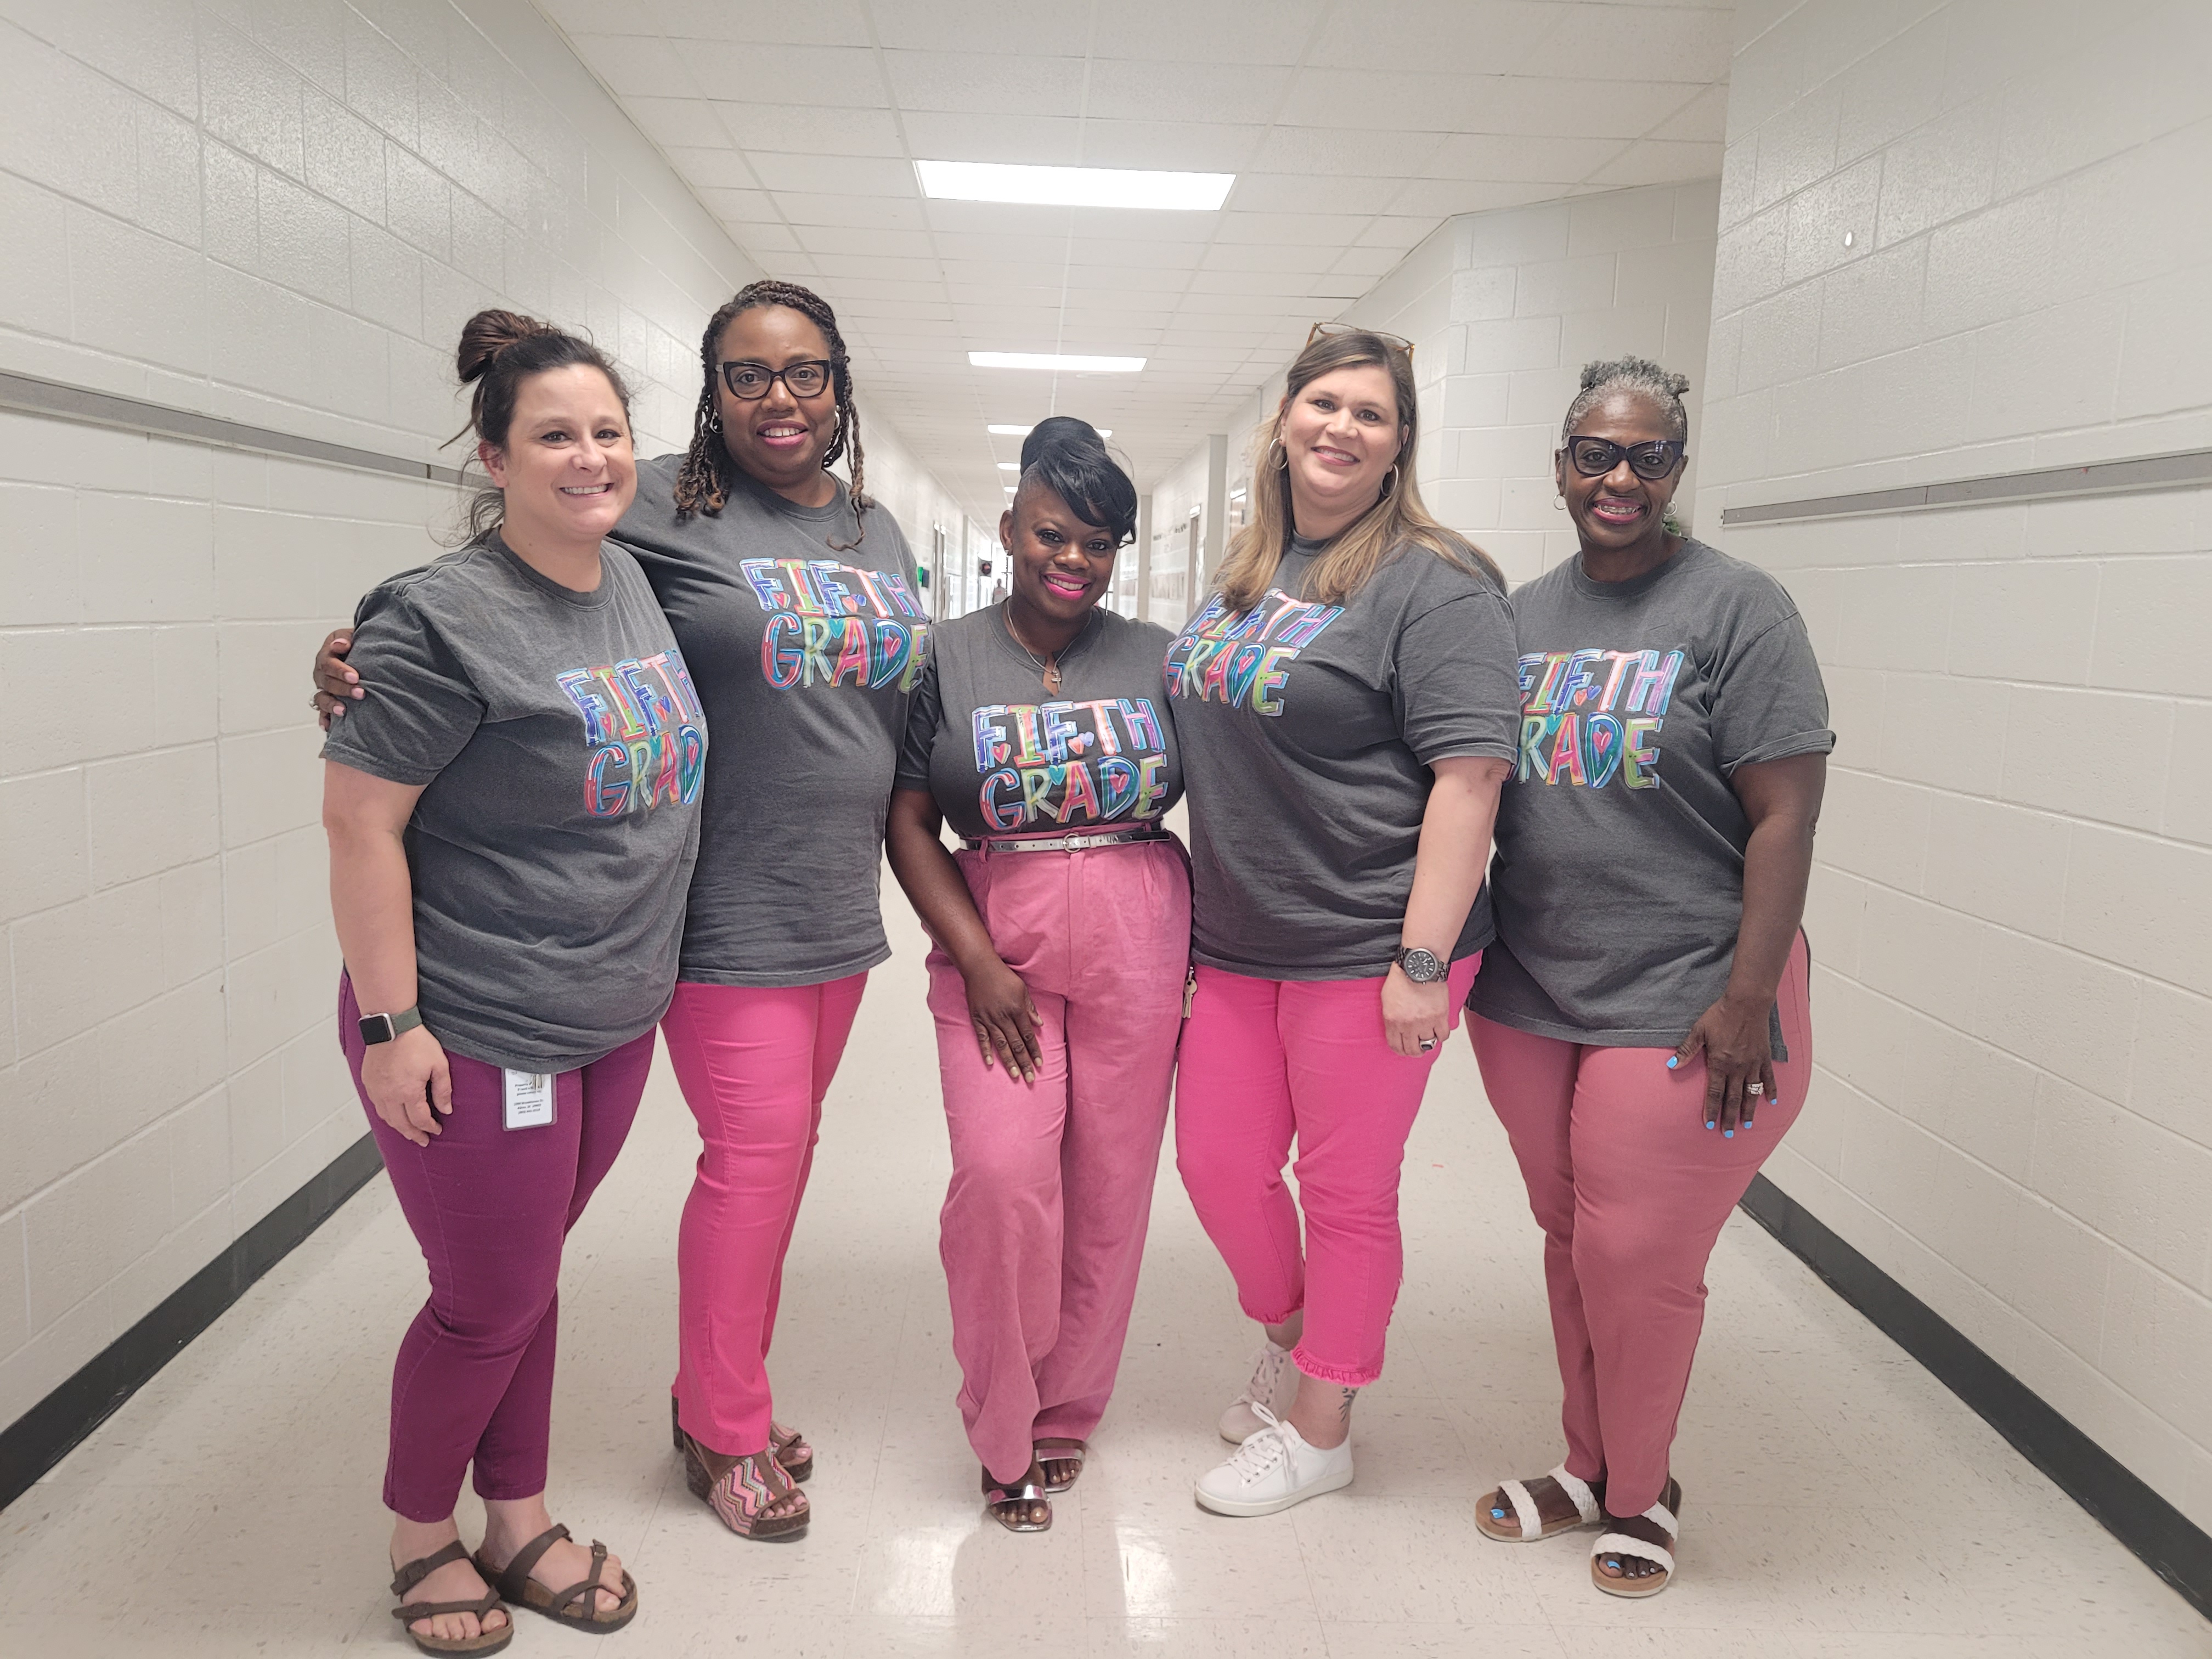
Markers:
(849, 239)
(1175, 146)
(1308, 257)
(1632, 43)
(1290, 226)
(819, 77)
(836, 175)
(1029, 140)
(1212, 31)
(1433, 199)
(1587, 109)
(1704, 120)
(1303, 194)
(962, 83)
(959, 245)
(676, 123)
(804, 208)
(981, 25)
(808, 130)
(1183, 91)
(818, 22)
(739, 206)
(1518, 156)
(1650, 162)
(758, 238)
(1328, 150)
(1480, 36)
(631, 64)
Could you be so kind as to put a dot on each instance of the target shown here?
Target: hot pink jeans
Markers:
(1264, 1059)
(1043, 1226)
(1630, 1189)
(754, 1063)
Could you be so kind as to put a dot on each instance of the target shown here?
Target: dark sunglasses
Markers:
(1596, 456)
(750, 381)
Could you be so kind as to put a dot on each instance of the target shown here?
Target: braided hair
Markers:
(702, 483)
(1639, 376)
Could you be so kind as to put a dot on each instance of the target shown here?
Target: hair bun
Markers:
(487, 334)
(1060, 434)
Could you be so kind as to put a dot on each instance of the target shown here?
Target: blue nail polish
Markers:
(1672, 1061)
(1727, 1135)
(1497, 1515)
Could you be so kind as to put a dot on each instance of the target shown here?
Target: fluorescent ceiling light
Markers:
(1108, 187)
(1074, 362)
(1010, 466)
(1024, 431)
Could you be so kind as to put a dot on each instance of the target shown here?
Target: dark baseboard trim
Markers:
(43, 1435)
(2169, 1543)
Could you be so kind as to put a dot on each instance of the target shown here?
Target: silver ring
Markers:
(1754, 1087)
(1427, 1043)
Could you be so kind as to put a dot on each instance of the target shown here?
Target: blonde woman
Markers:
(1346, 702)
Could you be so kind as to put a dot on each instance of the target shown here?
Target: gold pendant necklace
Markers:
(1048, 667)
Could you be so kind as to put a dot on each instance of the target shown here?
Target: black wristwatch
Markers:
(382, 1028)
(1420, 966)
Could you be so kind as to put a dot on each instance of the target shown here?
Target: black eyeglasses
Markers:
(1596, 456)
(750, 381)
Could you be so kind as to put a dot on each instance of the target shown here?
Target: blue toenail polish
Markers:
(1672, 1061)
(1709, 1124)
(1497, 1515)
(1727, 1135)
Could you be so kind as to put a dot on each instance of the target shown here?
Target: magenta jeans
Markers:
(490, 1206)
(1266, 1060)
(1630, 1189)
(754, 1063)
(1043, 1226)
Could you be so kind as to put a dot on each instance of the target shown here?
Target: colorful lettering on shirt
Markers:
(646, 730)
(837, 624)
(1590, 716)
(1069, 762)
(1243, 658)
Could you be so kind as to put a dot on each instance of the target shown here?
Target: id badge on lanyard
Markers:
(529, 1099)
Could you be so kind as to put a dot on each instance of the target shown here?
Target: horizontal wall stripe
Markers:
(2181, 470)
(59, 401)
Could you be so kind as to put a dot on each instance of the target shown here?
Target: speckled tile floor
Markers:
(231, 1507)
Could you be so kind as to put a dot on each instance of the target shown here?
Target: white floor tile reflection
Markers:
(1839, 1503)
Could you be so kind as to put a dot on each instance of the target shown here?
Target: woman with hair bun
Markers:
(1346, 702)
(795, 600)
(1062, 931)
(507, 881)
(1642, 1024)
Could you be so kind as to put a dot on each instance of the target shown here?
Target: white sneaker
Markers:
(1273, 1470)
(1274, 1384)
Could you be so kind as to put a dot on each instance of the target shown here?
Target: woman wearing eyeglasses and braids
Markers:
(1345, 706)
(794, 599)
(1641, 1022)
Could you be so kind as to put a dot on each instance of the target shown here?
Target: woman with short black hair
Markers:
(1062, 933)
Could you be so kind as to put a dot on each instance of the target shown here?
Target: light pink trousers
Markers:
(754, 1062)
(1266, 1059)
(1043, 1226)
(1630, 1189)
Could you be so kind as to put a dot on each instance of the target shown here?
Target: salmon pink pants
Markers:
(1267, 1060)
(1043, 1226)
(754, 1062)
(1630, 1189)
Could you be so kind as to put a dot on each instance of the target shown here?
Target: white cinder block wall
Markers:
(1504, 307)
(281, 215)
(2012, 913)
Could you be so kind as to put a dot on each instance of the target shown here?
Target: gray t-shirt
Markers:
(805, 651)
(1002, 756)
(1307, 730)
(562, 749)
(1620, 867)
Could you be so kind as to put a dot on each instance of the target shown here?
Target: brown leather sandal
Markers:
(485, 1641)
(576, 1607)
(789, 1444)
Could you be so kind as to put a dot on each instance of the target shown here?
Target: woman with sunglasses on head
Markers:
(1345, 704)
(794, 599)
(1642, 1022)
(1062, 932)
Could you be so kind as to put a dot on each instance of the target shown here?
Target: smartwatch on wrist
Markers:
(382, 1028)
(1419, 966)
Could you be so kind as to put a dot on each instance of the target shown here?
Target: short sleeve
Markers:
(921, 715)
(1769, 702)
(421, 710)
(1458, 688)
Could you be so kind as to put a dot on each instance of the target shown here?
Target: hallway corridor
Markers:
(1838, 1501)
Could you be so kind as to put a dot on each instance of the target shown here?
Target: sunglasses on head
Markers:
(1596, 456)
(1331, 330)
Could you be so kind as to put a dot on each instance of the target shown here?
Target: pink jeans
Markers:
(1264, 1059)
(1630, 1189)
(1043, 1226)
(754, 1063)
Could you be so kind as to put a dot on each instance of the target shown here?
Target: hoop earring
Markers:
(1388, 488)
(1560, 503)
(1276, 447)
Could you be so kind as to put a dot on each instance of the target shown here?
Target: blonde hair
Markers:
(1397, 519)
